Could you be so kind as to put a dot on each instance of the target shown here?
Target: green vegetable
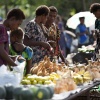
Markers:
(17, 93)
(9, 91)
(43, 93)
(27, 94)
(2, 92)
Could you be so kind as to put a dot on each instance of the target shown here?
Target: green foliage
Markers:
(65, 7)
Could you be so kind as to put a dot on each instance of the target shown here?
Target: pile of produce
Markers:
(82, 77)
(86, 49)
(65, 84)
(34, 79)
(84, 73)
(49, 78)
(38, 92)
(62, 77)
(45, 67)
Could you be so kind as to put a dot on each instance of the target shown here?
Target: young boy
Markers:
(18, 48)
(13, 20)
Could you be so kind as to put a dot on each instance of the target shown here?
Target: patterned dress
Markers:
(97, 49)
(35, 33)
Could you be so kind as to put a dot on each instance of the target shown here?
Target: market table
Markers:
(81, 91)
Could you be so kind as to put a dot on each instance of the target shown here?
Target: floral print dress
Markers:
(35, 33)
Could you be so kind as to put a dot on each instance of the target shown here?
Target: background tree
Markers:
(66, 8)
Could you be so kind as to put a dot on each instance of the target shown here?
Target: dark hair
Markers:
(94, 7)
(17, 13)
(81, 18)
(53, 9)
(19, 33)
(42, 10)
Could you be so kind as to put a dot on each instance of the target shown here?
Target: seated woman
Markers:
(18, 48)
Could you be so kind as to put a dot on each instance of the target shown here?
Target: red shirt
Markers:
(3, 39)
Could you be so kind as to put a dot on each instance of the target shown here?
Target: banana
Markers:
(82, 76)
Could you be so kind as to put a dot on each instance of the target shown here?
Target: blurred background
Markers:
(66, 8)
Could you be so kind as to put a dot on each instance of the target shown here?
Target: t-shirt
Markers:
(81, 28)
(27, 53)
(4, 39)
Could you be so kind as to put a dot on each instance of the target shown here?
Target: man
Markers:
(95, 9)
(81, 32)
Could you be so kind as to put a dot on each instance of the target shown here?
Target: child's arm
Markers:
(5, 56)
(28, 66)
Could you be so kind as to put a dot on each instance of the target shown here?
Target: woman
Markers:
(13, 20)
(35, 36)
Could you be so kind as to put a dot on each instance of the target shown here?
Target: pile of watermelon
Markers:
(38, 92)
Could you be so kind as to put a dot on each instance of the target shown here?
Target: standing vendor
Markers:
(35, 37)
(54, 32)
(13, 20)
(95, 9)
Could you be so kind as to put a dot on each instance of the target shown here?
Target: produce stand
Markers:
(83, 93)
(75, 83)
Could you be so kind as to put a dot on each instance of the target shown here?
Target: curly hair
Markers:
(42, 10)
(19, 33)
(94, 7)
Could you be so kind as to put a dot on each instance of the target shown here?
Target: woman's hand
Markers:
(47, 46)
(20, 59)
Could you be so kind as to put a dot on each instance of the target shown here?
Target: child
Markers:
(18, 48)
(13, 20)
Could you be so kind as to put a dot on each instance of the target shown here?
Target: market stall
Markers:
(50, 81)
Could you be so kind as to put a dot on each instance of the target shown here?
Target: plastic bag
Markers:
(20, 68)
(13, 77)
(7, 76)
(3, 70)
